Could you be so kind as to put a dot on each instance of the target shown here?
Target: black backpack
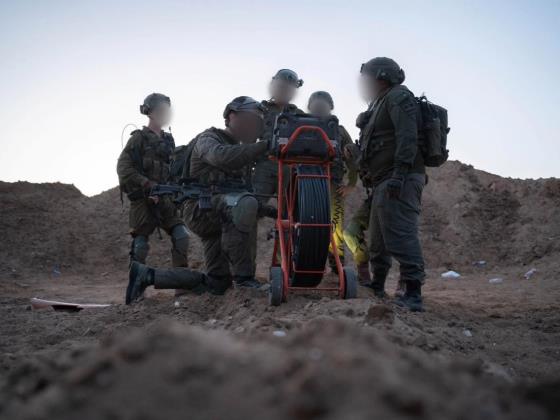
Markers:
(181, 162)
(432, 132)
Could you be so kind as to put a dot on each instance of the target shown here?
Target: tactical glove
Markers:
(394, 186)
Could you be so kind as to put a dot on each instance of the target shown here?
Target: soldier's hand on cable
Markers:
(394, 186)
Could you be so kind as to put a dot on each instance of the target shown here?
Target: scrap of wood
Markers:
(37, 303)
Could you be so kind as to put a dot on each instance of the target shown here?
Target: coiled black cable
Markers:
(311, 244)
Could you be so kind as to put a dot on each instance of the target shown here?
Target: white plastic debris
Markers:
(467, 333)
(450, 275)
(480, 263)
(530, 273)
(177, 304)
(496, 280)
(279, 333)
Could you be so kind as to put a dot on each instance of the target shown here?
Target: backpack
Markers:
(181, 162)
(432, 132)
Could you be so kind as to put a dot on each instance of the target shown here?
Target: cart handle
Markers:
(303, 128)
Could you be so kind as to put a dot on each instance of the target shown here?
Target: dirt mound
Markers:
(482, 350)
(468, 215)
(176, 371)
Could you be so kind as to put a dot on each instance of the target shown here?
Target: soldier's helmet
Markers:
(289, 76)
(245, 104)
(321, 94)
(152, 101)
(383, 68)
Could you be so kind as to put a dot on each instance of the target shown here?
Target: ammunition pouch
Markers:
(136, 195)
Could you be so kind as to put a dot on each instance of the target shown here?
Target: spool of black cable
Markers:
(311, 243)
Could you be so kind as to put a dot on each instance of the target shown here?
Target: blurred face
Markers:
(369, 88)
(246, 127)
(161, 114)
(282, 91)
(320, 107)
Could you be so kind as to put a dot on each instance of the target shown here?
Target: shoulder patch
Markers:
(404, 100)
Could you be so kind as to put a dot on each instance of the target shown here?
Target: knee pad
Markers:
(244, 214)
(180, 238)
(139, 249)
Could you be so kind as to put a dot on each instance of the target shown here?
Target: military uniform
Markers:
(355, 233)
(218, 159)
(388, 143)
(339, 168)
(145, 161)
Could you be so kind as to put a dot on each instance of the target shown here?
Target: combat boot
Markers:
(140, 276)
(412, 298)
(217, 285)
(180, 278)
(246, 281)
(378, 283)
(364, 276)
(401, 288)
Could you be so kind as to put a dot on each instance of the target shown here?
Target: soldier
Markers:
(220, 159)
(321, 104)
(144, 162)
(283, 88)
(389, 152)
(355, 239)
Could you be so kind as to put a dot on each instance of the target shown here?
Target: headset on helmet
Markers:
(244, 104)
(152, 101)
(289, 76)
(321, 94)
(383, 68)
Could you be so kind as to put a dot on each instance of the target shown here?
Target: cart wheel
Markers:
(276, 291)
(350, 283)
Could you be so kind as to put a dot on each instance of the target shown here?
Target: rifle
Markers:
(181, 193)
(201, 192)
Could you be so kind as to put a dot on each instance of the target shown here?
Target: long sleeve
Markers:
(351, 164)
(402, 110)
(228, 157)
(127, 169)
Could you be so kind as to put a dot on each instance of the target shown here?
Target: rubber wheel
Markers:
(350, 283)
(276, 291)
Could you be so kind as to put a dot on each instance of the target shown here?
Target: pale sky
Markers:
(74, 72)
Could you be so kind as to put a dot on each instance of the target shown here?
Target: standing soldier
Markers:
(389, 150)
(283, 88)
(143, 163)
(321, 104)
(220, 160)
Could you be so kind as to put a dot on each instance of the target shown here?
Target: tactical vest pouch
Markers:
(136, 195)
(432, 132)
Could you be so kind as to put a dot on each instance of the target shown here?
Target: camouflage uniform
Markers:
(145, 161)
(218, 159)
(355, 233)
(388, 143)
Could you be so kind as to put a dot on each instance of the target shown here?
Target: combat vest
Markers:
(151, 156)
(378, 146)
